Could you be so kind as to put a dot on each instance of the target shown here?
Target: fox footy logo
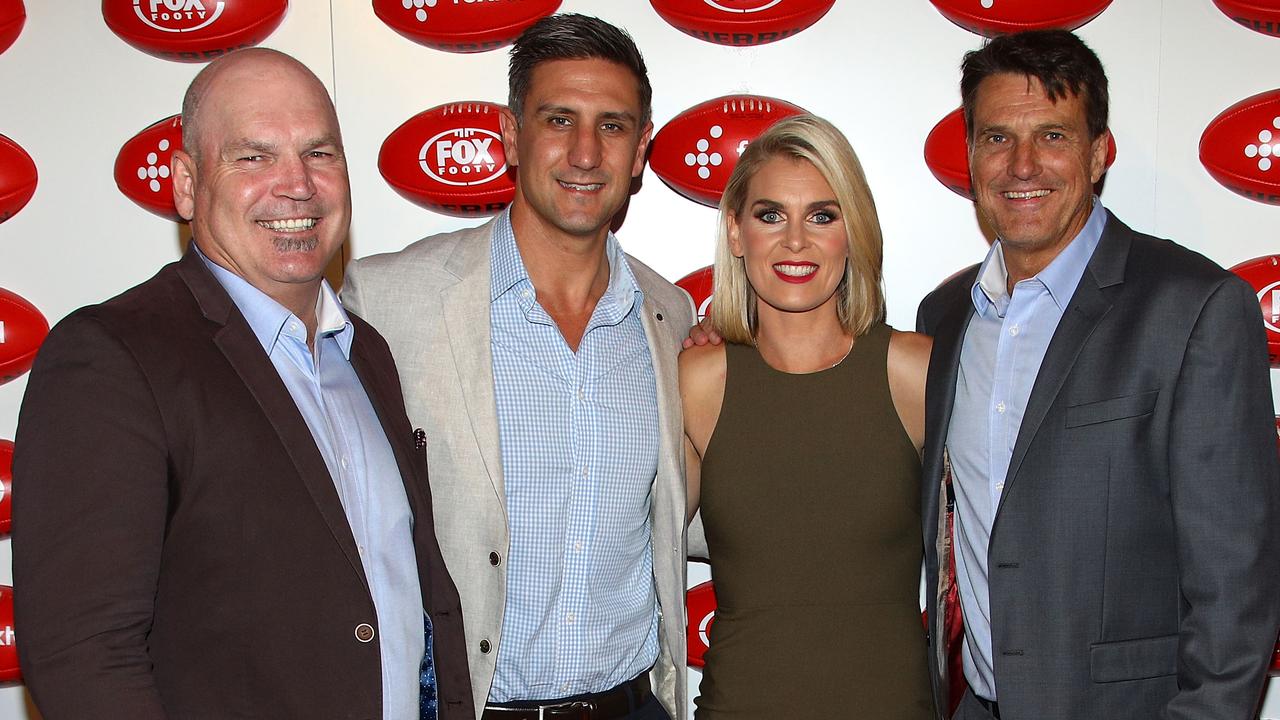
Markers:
(742, 6)
(178, 16)
(463, 156)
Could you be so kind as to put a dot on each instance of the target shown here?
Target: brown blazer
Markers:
(179, 548)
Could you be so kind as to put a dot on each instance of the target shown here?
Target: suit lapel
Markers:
(386, 400)
(657, 335)
(466, 318)
(1092, 300)
(244, 353)
(940, 391)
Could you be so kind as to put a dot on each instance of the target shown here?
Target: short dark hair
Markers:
(571, 36)
(1062, 63)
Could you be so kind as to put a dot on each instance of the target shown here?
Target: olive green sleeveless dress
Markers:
(811, 503)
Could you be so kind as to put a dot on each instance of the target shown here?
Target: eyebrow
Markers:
(263, 146)
(249, 144)
(621, 115)
(815, 205)
(1005, 128)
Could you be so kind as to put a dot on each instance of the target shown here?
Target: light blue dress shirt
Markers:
(336, 408)
(579, 442)
(1003, 346)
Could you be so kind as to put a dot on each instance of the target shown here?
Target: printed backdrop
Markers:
(74, 93)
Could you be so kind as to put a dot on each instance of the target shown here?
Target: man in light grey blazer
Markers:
(1100, 465)
(539, 360)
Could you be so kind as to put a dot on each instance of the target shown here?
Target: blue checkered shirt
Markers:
(579, 442)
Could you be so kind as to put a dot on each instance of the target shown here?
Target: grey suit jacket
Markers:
(431, 302)
(1135, 555)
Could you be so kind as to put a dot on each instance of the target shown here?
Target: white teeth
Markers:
(1013, 195)
(290, 225)
(795, 270)
(585, 188)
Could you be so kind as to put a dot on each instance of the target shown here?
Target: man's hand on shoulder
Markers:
(702, 334)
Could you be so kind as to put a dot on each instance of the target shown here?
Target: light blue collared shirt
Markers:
(346, 429)
(579, 441)
(1003, 346)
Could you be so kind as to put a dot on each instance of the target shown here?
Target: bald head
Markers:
(262, 175)
(225, 72)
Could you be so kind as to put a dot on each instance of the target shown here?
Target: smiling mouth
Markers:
(289, 225)
(795, 272)
(1025, 194)
(581, 187)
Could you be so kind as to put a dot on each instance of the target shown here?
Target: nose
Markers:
(294, 180)
(1024, 164)
(796, 237)
(586, 149)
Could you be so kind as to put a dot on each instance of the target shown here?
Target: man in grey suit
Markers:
(1099, 419)
(540, 361)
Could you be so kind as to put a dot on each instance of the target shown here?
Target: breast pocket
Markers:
(1120, 408)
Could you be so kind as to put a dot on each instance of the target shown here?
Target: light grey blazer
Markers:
(431, 302)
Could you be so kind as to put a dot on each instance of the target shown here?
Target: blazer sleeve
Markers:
(350, 293)
(1225, 497)
(90, 457)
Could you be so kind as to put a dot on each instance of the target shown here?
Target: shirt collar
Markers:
(1059, 278)
(508, 269)
(269, 319)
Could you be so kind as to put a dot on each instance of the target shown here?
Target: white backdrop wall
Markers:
(884, 72)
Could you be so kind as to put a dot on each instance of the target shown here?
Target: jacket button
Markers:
(364, 632)
(484, 646)
(494, 559)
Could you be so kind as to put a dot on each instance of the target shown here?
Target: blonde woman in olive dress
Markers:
(803, 433)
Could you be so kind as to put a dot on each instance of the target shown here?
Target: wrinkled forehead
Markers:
(265, 94)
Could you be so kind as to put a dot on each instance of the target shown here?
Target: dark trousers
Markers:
(971, 709)
(651, 710)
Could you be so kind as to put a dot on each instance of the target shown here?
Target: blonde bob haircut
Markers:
(810, 138)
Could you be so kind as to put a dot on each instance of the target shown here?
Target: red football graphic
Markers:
(1238, 147)
(6, 486)
(12, 17)
(193, 30)
(699, 284)
(1000, 17)
(1263, 273)
(1260, 15)
(1275, 656)
(9, 671)
(462, 26)
(17, 178)
(701, 611)
(696, 151)
(947, 153)
(741, 22)
(142, 167)
(450, 159)
(22, 329)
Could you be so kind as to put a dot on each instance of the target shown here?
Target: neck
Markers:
(802, 342)
(301, 301)
(1022, 263)
(570, 272)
